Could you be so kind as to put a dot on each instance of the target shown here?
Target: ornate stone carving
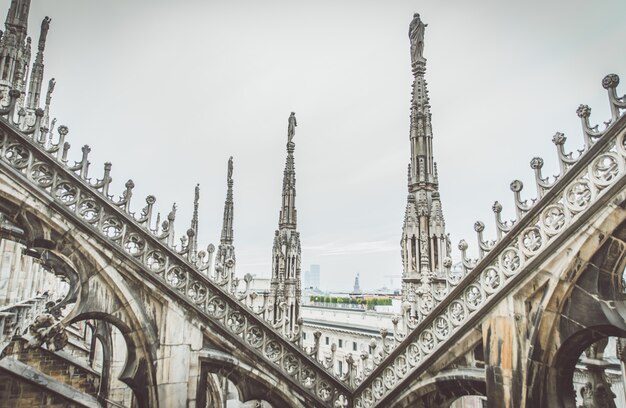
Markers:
(291, 127)
(46, 330)
(416, 35)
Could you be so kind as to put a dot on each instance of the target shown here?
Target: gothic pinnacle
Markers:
(16, 47)
(193, 231)
(285, 290)
(227, 222)
(17, 17)
(36, 79)
(225, 259)
(425, 244)
(288, 212)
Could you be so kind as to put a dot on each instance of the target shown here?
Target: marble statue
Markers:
(416, 35)
(291, 128)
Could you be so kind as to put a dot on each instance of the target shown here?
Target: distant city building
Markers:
(312, 277)
(357, 287)
(347, 325)
(306, 282)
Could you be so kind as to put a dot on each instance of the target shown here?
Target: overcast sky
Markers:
(167, 91)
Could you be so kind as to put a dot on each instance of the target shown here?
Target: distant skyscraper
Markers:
(306, 281)
(314, 277)
(357, 287)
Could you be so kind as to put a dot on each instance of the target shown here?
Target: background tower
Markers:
(15, 57)
(15, 46)
(226, 260)
(285, 285)
(425, 245)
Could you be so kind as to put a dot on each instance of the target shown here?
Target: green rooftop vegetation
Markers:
(369, 303)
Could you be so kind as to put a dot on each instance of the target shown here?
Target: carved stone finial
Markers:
(516, 186)
(610, 81)
(463, 245)
(583, 111)
(497, 207)
(172, 215)
(559, 139)
(536, 163)
(479, 226)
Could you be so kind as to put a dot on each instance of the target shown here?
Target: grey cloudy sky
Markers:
(167, 91)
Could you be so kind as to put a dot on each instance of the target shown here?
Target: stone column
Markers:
(178, 367)
(503, 358)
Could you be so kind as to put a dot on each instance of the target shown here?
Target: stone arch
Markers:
(442, 390)
(59, 265)
(69, 247)
(32, 228)
(136, 373)
(209, 390)
(251, 383)
(101, 334)
(586, 303)
(568, 354)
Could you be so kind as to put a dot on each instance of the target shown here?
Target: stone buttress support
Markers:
(503, 358)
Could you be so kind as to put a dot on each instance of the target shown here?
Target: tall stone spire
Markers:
(226, 250)
(425, 245)
(285, 289)
(288, 214)
(15, 46)
(17, 18)
(36, 77)
(192, 232)
(227, 224)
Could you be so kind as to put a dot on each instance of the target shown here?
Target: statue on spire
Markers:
(230, 168)
(416, 35)
(291, 128)
(45, 26)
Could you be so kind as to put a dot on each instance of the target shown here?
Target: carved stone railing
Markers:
(585, 184)
(28, 153)
(15, 319)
